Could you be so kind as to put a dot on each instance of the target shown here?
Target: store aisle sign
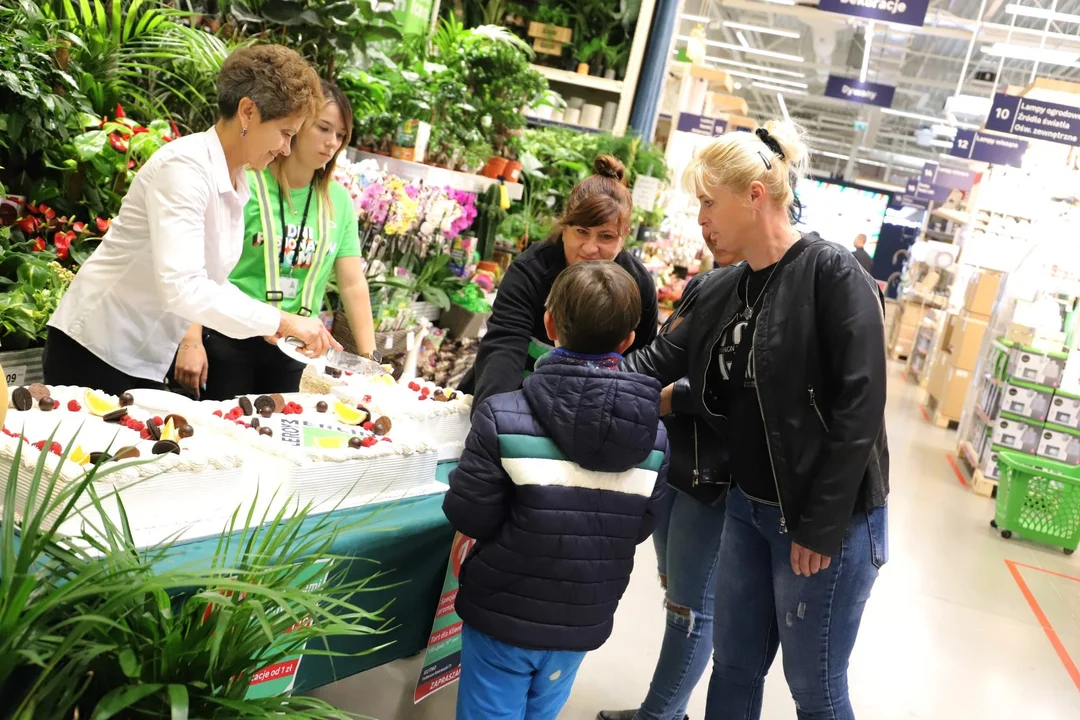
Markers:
(954, 179)
(1035, 119)
(701, 125)
(865, 93)
(907, 12)
(927, 189)
(909, 197)
(987, 148)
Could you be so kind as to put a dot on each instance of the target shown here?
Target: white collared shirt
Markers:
(165, 263)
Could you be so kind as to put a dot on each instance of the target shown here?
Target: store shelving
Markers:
(436, 176)
(957, 216)
(542, 122)
(592, 82)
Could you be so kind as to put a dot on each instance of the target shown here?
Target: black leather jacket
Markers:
(819, 351)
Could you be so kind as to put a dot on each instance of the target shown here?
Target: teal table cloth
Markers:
(408, 540)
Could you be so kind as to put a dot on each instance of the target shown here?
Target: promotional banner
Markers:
(908, 12)
(701, 125)
(1035, 119)
(279, 678)
(442, 659)
(865, 93)
(993, 149)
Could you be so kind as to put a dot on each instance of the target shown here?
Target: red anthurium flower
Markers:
(131, 164)
(62, 241)
(139, 129)
(78, 227)
(175, 130)
(120, 111)
(118, 143)
(48, 212)
(102, 224)
(38, 244)
(28, 224)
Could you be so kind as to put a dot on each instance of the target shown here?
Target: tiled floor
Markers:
(948, 633)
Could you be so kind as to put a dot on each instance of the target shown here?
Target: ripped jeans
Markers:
(687, 543)
(761, 604)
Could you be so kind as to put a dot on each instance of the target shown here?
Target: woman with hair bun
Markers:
(593, 227)
(786, 354)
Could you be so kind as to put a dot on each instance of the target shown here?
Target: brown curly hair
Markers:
(274, 77)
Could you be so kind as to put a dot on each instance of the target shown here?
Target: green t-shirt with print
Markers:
(250, 274)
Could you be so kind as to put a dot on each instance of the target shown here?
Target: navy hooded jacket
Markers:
(559, 482)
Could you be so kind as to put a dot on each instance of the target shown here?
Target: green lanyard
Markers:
(271, 253)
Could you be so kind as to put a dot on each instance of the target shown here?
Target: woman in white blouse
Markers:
(166, 259)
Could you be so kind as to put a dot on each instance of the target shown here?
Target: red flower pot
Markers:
(494, 168)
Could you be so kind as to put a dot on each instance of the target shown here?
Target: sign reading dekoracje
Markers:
(908, 12)
(1035, 119)
(866, 93)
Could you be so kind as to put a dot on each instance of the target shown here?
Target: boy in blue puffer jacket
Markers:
(558, 484)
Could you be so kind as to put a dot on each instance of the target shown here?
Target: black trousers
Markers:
(66, 362)
(247, 367)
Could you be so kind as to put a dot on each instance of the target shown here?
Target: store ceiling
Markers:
(924, 63)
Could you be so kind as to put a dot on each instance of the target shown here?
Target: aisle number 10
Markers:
(1002, 113)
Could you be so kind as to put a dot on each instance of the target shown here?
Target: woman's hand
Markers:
(665, 400)
(806, 562)
(192, 366)
(310, 331)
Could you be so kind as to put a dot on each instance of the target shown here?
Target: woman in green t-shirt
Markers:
(298, 226)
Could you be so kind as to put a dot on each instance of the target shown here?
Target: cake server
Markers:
(339, 359)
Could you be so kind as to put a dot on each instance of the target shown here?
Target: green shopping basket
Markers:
(1038, 499)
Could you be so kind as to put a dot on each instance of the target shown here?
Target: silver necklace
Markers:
(748, 311)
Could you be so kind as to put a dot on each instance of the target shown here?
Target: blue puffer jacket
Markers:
(559, 482)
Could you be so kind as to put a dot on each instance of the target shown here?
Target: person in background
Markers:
(299, 226)
(787, 353)
(593, 227)
(558, 484)
(862, 256)
(165, 261)
(687, 537)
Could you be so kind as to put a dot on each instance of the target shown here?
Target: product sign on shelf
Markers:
(701, 125)
(1035, 119)
(988, 148)
(865, 93)
(907, 12)
(646, 191)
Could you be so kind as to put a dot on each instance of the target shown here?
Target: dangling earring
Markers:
(243, 132)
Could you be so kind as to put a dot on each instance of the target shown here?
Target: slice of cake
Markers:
(166, 474)
(332, 452)
(439, 415)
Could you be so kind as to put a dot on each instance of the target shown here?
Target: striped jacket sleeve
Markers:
(478, 502)
(656, 503)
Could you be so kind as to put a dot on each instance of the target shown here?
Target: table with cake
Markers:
(352, 445)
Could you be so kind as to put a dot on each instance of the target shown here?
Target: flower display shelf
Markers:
(407, 170)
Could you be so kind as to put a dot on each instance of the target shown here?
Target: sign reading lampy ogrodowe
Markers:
(908, 12)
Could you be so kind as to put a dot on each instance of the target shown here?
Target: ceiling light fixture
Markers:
(783, 106)
(868, 41)
(742, 39)
(696, 18)
(748, 50)
(837, 156)
(760, 29)
(1041, 14)
(1032, 53)
(774, 81)
(777, 88)
(928, 118)
(781, 2)
(751, 66)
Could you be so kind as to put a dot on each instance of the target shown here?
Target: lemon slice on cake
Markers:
(349, 415)
(99, 404)
(169, 431)
(78, 455)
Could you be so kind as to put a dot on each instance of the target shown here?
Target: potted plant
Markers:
(589, 56)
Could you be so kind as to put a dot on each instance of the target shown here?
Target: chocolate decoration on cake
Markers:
(355, 442)
(154, 429)
(267, 411)
(127, 453)
(186, 431)
(99, 457)
(382, 426)
(38, 391)
(266, 431)
(255, 423)
(263, 401)
(115, 416)
(178, 421)
(279, 402)
(126, 399)
(245, 406)
(321, 406)
(21, 399)
(163, 447)
(46, 404)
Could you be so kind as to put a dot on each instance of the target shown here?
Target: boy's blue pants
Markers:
(504, 682)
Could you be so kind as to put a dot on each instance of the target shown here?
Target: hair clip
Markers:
(768, 165)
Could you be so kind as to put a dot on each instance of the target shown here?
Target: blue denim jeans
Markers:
(762, 604)
(505, 682)
(687, 545)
